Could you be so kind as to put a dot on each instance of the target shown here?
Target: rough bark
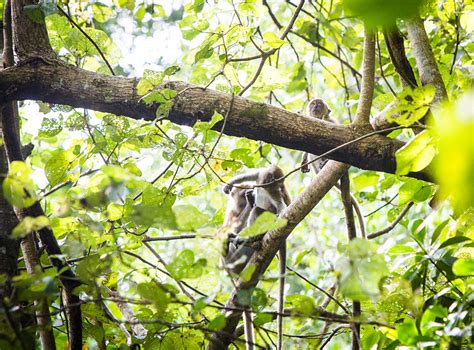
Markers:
(9, 247)
(62, 84)
(396, 49)
(43, 319)
(30, 39)
(425, 60)
(295, 213)
(362, 117)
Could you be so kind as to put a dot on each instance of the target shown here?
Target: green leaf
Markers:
(407, 332)
(50, 127)
(114, 211)
(464, 267)
(18, 187)
(365, 180)
(184, 266)
(416, 154)
(264, 223)
(29, 225)
(155, 293)
(454, 240)
(189, 218)
(301, 304)
(149, 81)
(400, 250)
(204, 126)
(272, 40)
(102, 13)
(409, 190)
(454, 165)
(57, 167)
(262, 318)
(203, 53)
(217, 323)
(361, 270)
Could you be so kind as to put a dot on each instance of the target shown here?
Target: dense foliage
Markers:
(111, 186)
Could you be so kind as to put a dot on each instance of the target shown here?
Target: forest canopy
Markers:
(124, 121)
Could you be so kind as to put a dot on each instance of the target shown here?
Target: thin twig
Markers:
(172, 238)
(393, 224)
(88, 38)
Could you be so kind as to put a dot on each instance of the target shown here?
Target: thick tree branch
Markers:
(362, 117)
(30, 39)
(425, 60)
(9, 114)
(63, 84)
(396, 49)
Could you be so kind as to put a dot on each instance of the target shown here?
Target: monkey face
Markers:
(318, 109)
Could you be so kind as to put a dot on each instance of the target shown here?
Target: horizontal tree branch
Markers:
(58, 83)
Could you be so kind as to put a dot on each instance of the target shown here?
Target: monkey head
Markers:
(317, 108)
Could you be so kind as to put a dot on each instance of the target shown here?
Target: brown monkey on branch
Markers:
(318, 109)
(270, 194)
(241, 202)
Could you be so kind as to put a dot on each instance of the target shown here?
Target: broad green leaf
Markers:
(203, 53)
(50, 127)
(272, 40)
(400, 250)
(454, 240)
(217, 323)
(301, 304)
(409, 191)
(365, 180)
(189, 218)
(204, 126)
(262, 318)
(361, 270)
(29, 225)
(407, 332)
(57, 167)
(184, 266)
(416, 154)
(102, 13)
(18, 187)
(264, 223)
(464, 267)
(156, 293)
(149, 81)
(114, 211)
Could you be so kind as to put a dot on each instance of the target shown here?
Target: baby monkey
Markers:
(270, 194)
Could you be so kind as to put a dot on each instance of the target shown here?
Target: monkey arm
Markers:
(250, 176)
(304, 161)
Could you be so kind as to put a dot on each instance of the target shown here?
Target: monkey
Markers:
(270, 194)
(240, 204)
(318, 109)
